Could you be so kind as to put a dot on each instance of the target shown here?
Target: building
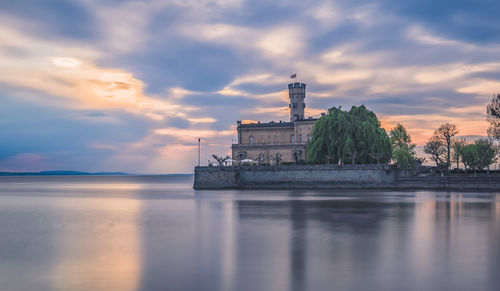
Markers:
(277, 142)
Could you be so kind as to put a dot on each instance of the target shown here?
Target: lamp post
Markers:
(198, 152)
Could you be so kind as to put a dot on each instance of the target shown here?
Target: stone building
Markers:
(277, 142)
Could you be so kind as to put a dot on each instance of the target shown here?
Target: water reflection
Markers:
(424, 242)
(99, 242)
(149, 235)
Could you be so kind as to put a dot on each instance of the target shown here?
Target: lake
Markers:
(157, 233)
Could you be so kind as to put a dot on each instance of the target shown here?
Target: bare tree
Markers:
(445, 133)
(220, 160)
(434, 148)
(493, 111)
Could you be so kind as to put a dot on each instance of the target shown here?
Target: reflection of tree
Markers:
(339, 217)
(298, 244)
(399, 238)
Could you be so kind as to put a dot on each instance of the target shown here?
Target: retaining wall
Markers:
(333, 177)
(295, 176)
(450, 183)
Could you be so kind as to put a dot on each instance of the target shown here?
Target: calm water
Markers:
(153, 233)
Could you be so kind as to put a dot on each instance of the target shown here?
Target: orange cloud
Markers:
(68, 75)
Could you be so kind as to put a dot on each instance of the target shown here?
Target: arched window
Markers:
(250, 139)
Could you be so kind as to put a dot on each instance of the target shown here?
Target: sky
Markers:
(130, 85)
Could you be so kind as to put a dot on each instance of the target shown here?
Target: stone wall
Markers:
(333, 177)
(471, 183)
(295, 176)
(216, 178)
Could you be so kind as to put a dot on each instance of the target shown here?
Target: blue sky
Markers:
(130, 85)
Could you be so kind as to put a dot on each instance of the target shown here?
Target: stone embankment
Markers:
(449, 183)
(331, 177)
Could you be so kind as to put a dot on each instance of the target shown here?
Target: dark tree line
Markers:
(356, 137)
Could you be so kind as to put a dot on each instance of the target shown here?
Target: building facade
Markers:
(277, 142)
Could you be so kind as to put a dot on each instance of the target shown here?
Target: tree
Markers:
(261, 158)
(457, 147)
(479, 155)
(445, 133)
(404, 159)
(220, 160)
(435, 148)
(403, 150)
(493, 111)
(485, 153)
(354, 136)
(400, 138)
(468, 157)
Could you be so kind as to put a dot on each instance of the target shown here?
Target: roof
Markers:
(307, 119)
(266, 124)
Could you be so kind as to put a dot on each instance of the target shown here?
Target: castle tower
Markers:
(297, 94)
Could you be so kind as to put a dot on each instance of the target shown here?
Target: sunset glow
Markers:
(130, 87)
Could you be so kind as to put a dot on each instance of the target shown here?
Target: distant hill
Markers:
(63, 173)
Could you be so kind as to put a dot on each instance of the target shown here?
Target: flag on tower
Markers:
(293, 76)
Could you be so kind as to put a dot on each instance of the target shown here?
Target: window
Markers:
(250, 139)
(292, 138)
(308, 137)
(300, 137)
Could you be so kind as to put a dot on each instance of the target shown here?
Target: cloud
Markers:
(274, 43)
(97, 114)
(326, 13)
(103, 83)
(77, 83)
(192, 133)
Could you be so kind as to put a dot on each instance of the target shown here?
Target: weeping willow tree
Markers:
(353, 136)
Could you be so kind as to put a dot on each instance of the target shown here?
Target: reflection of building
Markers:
(275, 142)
